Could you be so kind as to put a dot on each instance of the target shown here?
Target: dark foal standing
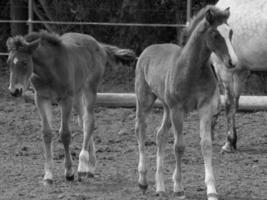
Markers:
(183, 80)
(65, 70)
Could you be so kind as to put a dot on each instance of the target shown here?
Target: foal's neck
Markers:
(194, 56)
(196, 51)
(41, 68)
(191, 63)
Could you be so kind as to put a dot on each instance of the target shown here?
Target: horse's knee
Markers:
(227, 104)
(88, 118)
(179, 148)
(65, 136)
(206, 146)
(161, 139)
(137, 129)
(47, 136)
(139, 124)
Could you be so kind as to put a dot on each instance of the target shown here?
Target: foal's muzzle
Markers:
(17, 92)
(230, 64)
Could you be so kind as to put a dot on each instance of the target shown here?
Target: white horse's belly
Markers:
(248, 19)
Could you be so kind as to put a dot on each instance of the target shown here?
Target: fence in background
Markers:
(30, 22)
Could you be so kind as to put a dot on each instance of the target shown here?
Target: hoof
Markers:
(48, 182)
(85, 174)
(70, 178)
(162, 195)
(212, 196)
(227, 148)
(143, 187)
(179, 195)
(81, 175)
(90, 175)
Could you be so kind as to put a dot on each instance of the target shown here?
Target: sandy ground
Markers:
(240, 176)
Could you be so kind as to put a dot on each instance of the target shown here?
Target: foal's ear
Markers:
(32, 46)
(9, 43)
(227, 12)
(210, 17)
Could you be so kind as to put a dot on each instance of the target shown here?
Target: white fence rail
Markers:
(128, 100)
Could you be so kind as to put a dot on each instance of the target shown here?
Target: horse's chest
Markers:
(52, 91)
(191, 93)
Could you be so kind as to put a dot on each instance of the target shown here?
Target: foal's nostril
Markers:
(231, 65)
(20, 92)
(16, 93)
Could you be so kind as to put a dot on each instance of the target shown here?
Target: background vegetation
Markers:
(116, 11)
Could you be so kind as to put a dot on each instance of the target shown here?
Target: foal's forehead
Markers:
(224, 30)
(15, 57)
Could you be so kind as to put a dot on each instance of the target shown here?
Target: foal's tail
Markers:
(117, 55)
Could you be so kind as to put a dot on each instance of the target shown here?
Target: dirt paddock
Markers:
(240, 176)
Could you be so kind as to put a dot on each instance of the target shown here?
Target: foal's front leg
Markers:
(44, 108)
(206, 113)
(177, 117)
(65, 134)
(162, 136)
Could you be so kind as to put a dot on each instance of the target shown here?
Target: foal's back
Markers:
(153, 64)
(85, 56)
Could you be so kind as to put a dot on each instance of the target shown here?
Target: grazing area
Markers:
(240, 175)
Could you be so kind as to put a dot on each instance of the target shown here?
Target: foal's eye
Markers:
(230, 34)
(23, 66)
(23, 63)
(215, 35)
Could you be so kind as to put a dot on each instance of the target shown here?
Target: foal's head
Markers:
(217, 32)
(20, 63)
(218, 36)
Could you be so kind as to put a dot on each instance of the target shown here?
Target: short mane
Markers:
(15, 43)
(187, 31)
(19, 42)
(50, 38)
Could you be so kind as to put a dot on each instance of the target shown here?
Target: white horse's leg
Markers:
(226, 80)
(233, 90)
(230, 110)
(44, 108)
(162, 136)
(206, 113)
(87, 157)
(177, 117)
(65, 134)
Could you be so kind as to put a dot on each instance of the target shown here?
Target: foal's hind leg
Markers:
(206, 113)
(78, 107)
(162, 136)
(87, 158)
(144, 104)
(65, 134)
(44, 108)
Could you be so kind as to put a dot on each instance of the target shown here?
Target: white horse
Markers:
(248, 20)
